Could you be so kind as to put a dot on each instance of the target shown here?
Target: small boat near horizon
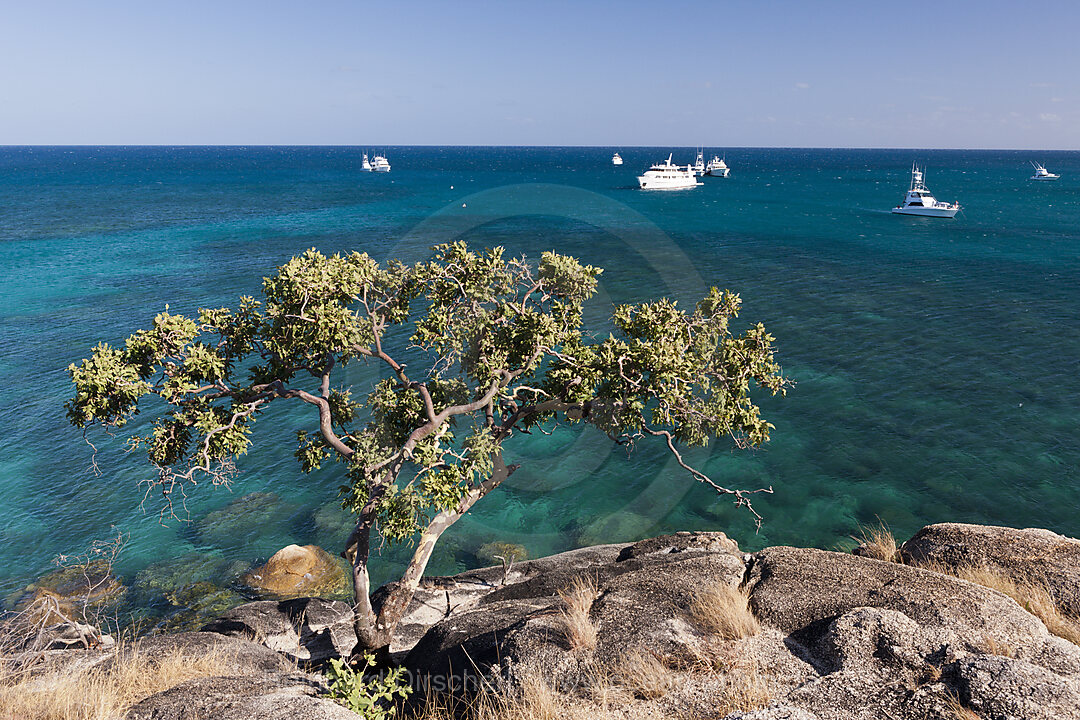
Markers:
(616, 159)
(365, 165)
(1041, 173)
(919, 201)
(380, 164)
(667, 176)
(717, 167)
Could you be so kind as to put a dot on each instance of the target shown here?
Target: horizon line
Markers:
(461, 145)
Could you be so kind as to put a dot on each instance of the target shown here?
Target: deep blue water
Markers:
(937, 362)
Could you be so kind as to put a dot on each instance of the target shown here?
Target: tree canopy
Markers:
(494, 346)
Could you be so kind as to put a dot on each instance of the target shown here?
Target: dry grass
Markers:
(96, 694)
(577, 627)
(636, 684)
(1036, 598)
(992, 646)
(643, 675)
(534, 699)
(725, 611)
(879, 543)
(958, 710)
(744, 691)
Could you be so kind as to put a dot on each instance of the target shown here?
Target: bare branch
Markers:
(741, 499)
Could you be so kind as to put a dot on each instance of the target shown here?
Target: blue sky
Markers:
(972, 74)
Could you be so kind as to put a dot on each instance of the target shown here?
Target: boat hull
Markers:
(1044, 179)
(653, 184)
(927, 211)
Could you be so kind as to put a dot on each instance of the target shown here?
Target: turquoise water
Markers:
(937, 362)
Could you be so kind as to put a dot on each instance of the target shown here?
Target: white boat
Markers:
(365, 165)
(616, 159)
(717, 167)
(1042, 173)
(699, 164)
(919, 201)
(380, 164)
(666, 176)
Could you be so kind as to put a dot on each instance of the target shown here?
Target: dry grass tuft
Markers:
(534, 699)
(878, 543)
(577, 627)
(643, 675)
(95, 694)
(1036, 598)
(725, 611)
(744, 691)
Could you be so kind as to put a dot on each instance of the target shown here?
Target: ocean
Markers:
(936, 362)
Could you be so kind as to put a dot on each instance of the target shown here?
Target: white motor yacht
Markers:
(616, 159)
(699, 164)
(717, 167)
(1042, 173)
(919, 201)
(380, 164)
(365, 165)
(666, 176)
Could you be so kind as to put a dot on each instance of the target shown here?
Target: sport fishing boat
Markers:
(365, 165)
(699, 164)
(919, 201)
(666, 176)
(380, 164)
(717, 167)
(1042, 173)
(616, 159)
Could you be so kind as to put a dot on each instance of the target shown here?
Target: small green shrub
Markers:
(371, 698)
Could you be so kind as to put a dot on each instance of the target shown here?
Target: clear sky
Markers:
(976, 74)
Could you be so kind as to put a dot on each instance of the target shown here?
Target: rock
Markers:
(71, 594)
(858, 695)
(188, 591)
(173, 574)
(643, 604)
(502, 552)
(1033, 555)
(292, 696)
(333, 521)
(844, 637)
(873, 661)
(680, 542)
(777, 712)
(238, 656)
(305, 630)
(649, 608)
(251, 523)
(624, 525)
(70, 635)
(196, 604)
(1000, 687)
(300, 571)
(513, 635)
(439, 598)
(801, 590)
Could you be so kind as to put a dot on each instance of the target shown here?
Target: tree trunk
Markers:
(357, 550)
(375, 626)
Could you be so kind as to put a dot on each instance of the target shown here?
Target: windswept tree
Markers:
(495, 346)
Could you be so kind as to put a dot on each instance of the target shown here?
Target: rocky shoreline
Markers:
(842, 636)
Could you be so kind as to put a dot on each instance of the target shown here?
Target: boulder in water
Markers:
(299, 571)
